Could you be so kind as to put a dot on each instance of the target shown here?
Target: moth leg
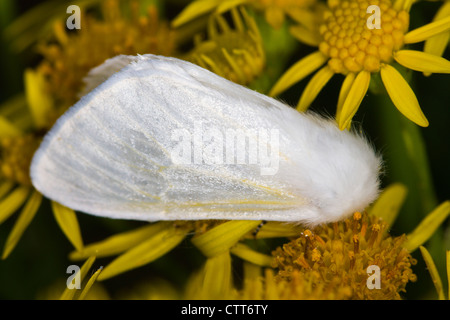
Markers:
(255, 232)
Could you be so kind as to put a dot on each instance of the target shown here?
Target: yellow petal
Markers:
(222, 26)
(149, 250)
(389, 203)
(251, 271)
(421, 61)
(59, 30)
(433, 272)
(5, 187)
(402, 95)
(7, 129)
(354, 98)
(313, 88)
(38, 100)
(246, 253)
(272, 292)
(217, 276)
(427, 31)
(12, 202)
(436, 45)
(298, 71)
(234, 66)
(253, 282)
(27, 214)
(68, 294)
(403, 5)
(213, 281)
(195, 10)
(212, 65)
(35, 23)
(221, 238)
(119, 243)
(427, 227)
(15, 116)
(88, 285)
(305, 16)
(225, 6)
(67, 221)
(237, 20)
(343, 93)
(305, 35)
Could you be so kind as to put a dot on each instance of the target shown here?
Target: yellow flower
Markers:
(144, 245)
(16, 149)
(53, 87)
(291, 271)
(73, 293)
(94, 292)
(57, 82)
(235, 54)
(275, 11)
(16, 156)
(329, 262)
(67, 61)
(333, 261)
(215, 239)
(349, 47)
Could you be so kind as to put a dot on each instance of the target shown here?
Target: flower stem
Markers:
(406, 161)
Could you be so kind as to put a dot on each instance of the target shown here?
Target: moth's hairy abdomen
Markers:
(112, 154)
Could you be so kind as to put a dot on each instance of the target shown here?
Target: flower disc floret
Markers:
(349, 42)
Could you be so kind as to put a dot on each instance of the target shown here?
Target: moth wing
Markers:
(112, 154)
(99, 74)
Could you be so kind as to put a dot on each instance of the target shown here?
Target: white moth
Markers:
(164, 139)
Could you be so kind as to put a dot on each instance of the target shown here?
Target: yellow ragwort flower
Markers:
(355, 44)
(16, 149)
(235, 54)
(336, 249)
(15, 157)
(54, 86)
(67, 61)
(71, 293)
(57, 82)
(275, 11)
(330, 262)
(143, 245)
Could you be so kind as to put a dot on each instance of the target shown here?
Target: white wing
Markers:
(116, 153)
(99, 74)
